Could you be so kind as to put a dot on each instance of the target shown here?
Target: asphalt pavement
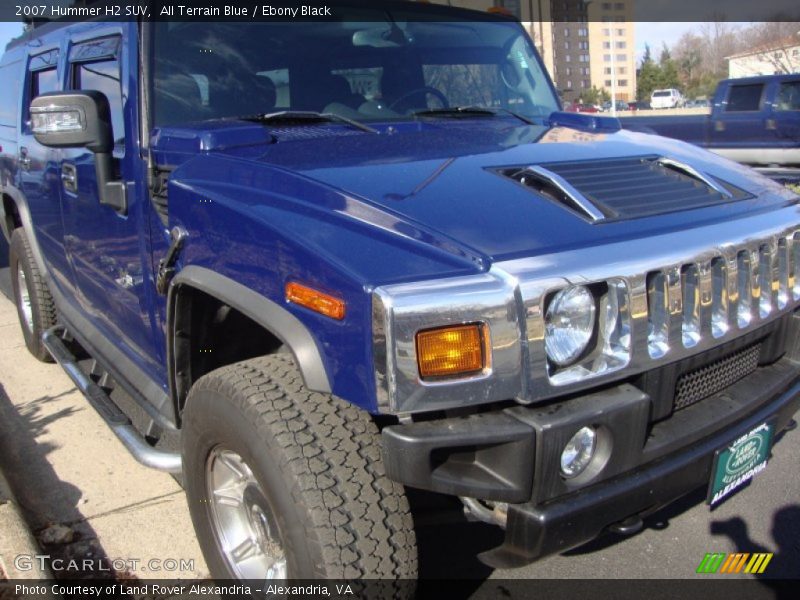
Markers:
(82, 495)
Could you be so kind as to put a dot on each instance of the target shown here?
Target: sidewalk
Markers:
(78, 490)
(16, 540)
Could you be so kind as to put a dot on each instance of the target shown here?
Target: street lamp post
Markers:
(613, 74)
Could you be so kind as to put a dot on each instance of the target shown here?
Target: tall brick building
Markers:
(583, 44)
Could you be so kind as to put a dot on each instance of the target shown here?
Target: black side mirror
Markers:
(81, 120)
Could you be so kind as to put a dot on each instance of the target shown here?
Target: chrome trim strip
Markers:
(694, 173)
(380, 356)
(795, 266)
(569, 190)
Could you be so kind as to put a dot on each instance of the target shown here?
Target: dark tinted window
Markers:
(103, 76)
(9, 93)
(370, 68)
(43, 81)
(788, 96)
(744, 97)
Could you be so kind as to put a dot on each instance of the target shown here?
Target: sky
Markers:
(7, 32)
(656, 34)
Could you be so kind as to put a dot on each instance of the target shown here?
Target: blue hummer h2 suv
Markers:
(330, 261)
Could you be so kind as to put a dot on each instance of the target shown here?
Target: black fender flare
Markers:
(270, 315)
(27, 223)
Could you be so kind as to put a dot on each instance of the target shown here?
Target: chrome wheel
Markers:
(25, 308)
(243, 522)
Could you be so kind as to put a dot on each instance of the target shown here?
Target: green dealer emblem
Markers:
(738, 463)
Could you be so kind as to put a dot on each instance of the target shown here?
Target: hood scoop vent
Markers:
(624, 188)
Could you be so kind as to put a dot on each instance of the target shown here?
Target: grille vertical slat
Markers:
(675, 304)
(658, 315)
(720, 324)
(764, 295)
(690, 327)
(744, 312)
(781, 274)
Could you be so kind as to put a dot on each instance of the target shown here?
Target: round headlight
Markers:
(569, 324)
(578, 452)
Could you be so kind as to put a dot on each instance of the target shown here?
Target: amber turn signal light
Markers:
(451, 351)
(324, 304)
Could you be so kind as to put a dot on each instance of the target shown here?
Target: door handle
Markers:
(24, 159)
(69, 177)
(771, 125)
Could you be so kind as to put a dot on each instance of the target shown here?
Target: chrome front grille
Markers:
(661, 299)
(712, 297)
(683, 294)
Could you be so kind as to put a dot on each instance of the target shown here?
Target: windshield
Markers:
(365, 71)
(662, 93)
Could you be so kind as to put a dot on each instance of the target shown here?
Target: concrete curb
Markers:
(16, 540)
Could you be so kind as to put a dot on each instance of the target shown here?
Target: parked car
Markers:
(668, 98)
(753, 120)
(578, 107)
(639, 105)
(620, 105)
(702, 103)
(318, 300)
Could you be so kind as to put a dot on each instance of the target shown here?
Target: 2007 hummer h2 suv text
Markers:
(331, 261)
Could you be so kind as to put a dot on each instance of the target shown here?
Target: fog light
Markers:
(578, 452)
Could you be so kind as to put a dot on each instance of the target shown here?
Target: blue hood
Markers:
(440, 177)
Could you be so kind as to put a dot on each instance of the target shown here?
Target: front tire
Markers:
(287, 483)
(35, 307)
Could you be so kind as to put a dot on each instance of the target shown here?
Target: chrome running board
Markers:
(116, 420)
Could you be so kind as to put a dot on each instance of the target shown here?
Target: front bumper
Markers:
(512, 454)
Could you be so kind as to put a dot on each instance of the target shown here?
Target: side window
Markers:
(103, 76)
(42, 77)
(744, 97)
(9, 93)
(788, 96)
(43, 81)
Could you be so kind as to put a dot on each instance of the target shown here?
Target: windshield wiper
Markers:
(306, 115)
(477, 111)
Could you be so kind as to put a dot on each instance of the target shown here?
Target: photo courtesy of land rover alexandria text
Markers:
(332, 263)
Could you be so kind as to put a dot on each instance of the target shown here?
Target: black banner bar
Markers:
(315, 10)
(733, 588)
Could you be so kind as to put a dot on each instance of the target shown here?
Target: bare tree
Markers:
(700, 56)
(721, 40)
(773, 43)
(688, 53)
